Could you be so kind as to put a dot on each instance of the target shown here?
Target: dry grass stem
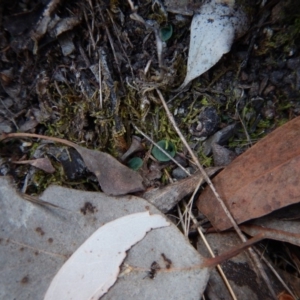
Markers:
(219, 268)
(118, 34)
(221, 202)
(188, 208)
(89, 28)
(195, 159)
(181, 221)
(261, 255)
(100, 85)
(38, 136)
(243, 123)
(161, 149)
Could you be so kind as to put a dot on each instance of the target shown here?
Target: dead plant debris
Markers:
(94, 73)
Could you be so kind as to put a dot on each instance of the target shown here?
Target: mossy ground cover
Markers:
(258, 96)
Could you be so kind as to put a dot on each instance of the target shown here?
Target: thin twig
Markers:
(112, 47)
(131, 4)
(100, 85)
(221, 202)
(85, 58)
(93, 15)
(89, 28)
(195, 159)
(188, 208)
(25, 184)
(242, 122)
(219, 268)
(13, 115)
(181, 220)
(161, 149)
(39, 201)
(275, 273)
(154, 27)
(38, 136)
(118, 34)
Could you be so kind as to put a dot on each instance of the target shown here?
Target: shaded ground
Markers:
(51, 86)
(49, 75)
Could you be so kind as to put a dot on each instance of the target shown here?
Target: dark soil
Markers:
(51, 88)
(50, 84)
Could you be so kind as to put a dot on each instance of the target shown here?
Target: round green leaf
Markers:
(166, 32)
(135, 163)
(168, 146)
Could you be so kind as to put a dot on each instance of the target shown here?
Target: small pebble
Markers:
(222, 156)
(208, 122)
(220, 137)
(178, 173)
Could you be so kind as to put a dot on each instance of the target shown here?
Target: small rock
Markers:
(276, 77)
(5, 126)
(270, 88)
(181, 160)
(207, 124)
(254, 90)
(178, 173)
(4, 168)
(293, 63)
(220, 137)
(30, 124)
(244, 76)
(66, 43)
(6, 103)
(269, 113)
(263, 85)
(71, 161)
(289, 79)
(222, 156)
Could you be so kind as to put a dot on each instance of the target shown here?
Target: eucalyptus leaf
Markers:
(36, 242)
(213, 31)
(100, 257)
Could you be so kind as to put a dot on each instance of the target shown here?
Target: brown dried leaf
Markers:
(167, 197)
(40, 163)
(281, 225)
(280, 230)
(261, 180)
(114, 178)
(239, 270)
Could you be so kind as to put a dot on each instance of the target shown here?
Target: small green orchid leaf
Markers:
(166, 32)
(135, 163)
(168, 146)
